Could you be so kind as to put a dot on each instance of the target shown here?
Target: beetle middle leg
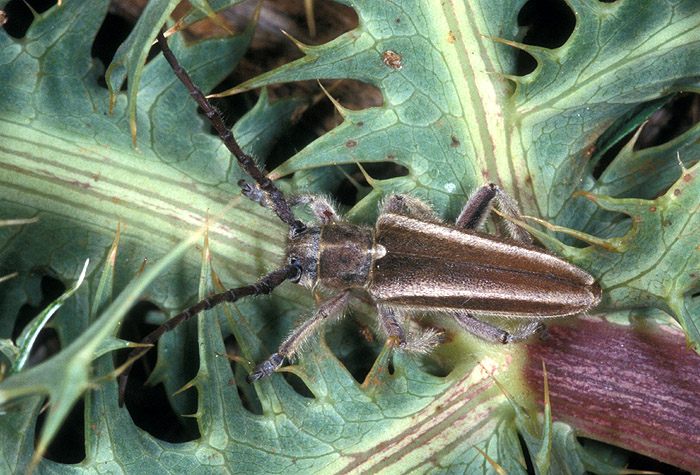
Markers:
(422, 342)
(405, 204)
(333, 307)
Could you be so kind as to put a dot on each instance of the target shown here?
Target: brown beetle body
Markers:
(412, 262)
(409, 262)
(421, 265)
(438, 267)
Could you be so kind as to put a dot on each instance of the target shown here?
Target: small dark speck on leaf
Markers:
(351, 143)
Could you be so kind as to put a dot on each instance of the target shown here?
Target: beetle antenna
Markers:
(265, 193)
(275, 197)
(264, 286)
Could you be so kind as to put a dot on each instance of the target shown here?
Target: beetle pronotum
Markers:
(409, 262)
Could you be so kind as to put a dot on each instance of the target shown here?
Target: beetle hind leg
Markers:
(479, 206)
(493, 334)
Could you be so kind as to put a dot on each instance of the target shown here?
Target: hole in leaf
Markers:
(20, 17)
(270, 47)
(549, 24)
(51, 289)
(113, 31)
(526, 454)
(321, 116)
(354, 343)
(68, 446)
(298, 385)
(667, 123)
(47, 343)
(671, 121)
(249, 398)
(630, 460)
(149, 406)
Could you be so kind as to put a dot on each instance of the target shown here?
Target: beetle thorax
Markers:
(335, 256)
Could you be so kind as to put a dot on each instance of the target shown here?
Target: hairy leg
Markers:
(321, 208)
(479, 206)
(421, 342)
(493, 334)
(333, 307)
(404, 204)
(264, 286)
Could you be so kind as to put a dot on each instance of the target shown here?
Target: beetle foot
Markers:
(266, 368)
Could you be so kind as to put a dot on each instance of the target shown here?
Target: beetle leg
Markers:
(528, 330)
(390, 326)
(264, 286)
(478, 208)
(321, 207)
(483, 330)
(404, 204)
(492, 333)
(421, 342)
(331, 308)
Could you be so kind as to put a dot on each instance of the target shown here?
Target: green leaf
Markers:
(455, 114)
(662, 246)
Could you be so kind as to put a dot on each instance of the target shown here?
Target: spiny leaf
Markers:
(454, 113)
(662, 246)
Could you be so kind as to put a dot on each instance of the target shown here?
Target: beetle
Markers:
(409, 262)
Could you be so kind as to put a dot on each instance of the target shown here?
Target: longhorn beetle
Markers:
(410, 262)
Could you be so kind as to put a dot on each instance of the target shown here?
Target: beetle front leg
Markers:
(321, 207)
(331, 308)
(478, 208)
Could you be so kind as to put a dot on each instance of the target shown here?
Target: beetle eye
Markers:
(300, 270)
(298, 228)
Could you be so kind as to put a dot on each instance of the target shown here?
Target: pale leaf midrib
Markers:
(60, 176)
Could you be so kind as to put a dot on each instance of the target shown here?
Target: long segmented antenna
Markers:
(264, 286)
(275, 196)
(268, 196)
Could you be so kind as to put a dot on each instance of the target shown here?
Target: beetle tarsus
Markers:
(266, 368)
